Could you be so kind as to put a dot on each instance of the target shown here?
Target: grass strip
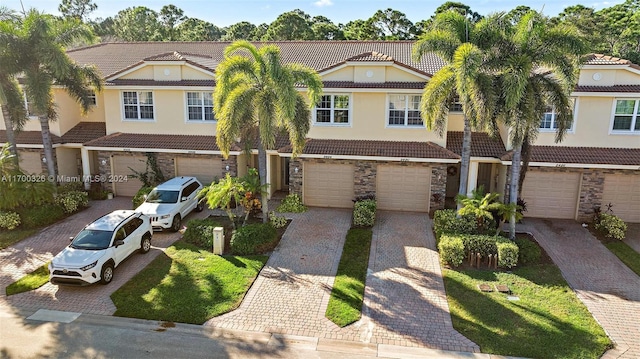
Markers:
(626, 254)
(8, 238)
(345, 303)
(187, 285)
(31, 281)
(548, 320)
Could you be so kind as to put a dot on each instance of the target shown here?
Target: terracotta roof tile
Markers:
(370, 56)
(583, 155)
(616, 88)
(382, 85)
(482, 145)
(600, 59)
(150, 141)
(84, 132)
(28, 138)
(375, 149)
(319, 55)
(134, 82)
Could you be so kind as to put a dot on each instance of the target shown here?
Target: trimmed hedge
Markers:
(364, 213)
(507, 252)
(454, 247)
(451, 250)
(199, 232)
(528, 252)
(445, 221)
(253, 238)
(72, 201)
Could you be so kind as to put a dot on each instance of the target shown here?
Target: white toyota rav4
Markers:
(100, 247)
(171, 201)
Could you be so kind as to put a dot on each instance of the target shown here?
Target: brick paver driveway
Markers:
(609, 289)
(27, 255)
(405, 303)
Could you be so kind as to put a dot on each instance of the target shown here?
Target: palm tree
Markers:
(538, 67)
(462, 44)
(256, 96)
(13, 111)
(40, 40)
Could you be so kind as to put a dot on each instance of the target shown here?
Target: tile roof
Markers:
(615, 88)
(599, 59)
(28, 137)
(374, 149)
(151, 141)
(371, 56)
(482, 145)
(84, 132)
(135, 82)
(115, 56)
(583, 155)
(381, 85)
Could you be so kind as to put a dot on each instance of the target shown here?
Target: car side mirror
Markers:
(184, 199)
(70, 239)
(144, 196)
(119, 243)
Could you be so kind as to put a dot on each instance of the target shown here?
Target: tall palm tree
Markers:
(13, 111)
(41, 40)
(463, 45)
(537, 67)
(256, 95)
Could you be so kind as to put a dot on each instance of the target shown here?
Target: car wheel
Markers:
(145, 245)
(200, 206)
(175, 225)
(106, 275)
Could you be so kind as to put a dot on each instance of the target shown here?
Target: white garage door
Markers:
(30, 162)
(204, 169)
(623, 191)
(122, 166)
(403, 188)
(551, 195)
(328, 185)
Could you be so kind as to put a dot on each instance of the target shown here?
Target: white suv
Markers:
(171, 201)
(100, 247)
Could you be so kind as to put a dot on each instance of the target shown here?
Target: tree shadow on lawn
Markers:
(513, 328)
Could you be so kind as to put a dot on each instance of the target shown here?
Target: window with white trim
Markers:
(456, 105)
(333, 109)
(200, 106)
(92, 98)
(404, 110)
(138, 105)
(549, 122)
(626, 116)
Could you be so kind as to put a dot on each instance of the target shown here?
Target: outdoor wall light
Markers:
(295, 169)
(226, 167)
(44, 160)
(103, 162)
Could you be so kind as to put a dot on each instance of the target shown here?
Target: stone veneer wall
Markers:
(365, 177)
(40, 151)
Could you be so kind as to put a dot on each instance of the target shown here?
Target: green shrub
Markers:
(364, 213)
(277, 221)
(446, 222)
(253, 238)
(97, 193)
(478, 243)
(507, 252)
(528, 251)
(451, 250)
(138, 199)
(72, 201)
(70, 187)
(40, 216)
(199, 232)
(611, 226)
(292, 204)
(9, 220)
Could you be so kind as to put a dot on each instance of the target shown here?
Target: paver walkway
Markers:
(405, 303)
(609, 289)
(29, 254)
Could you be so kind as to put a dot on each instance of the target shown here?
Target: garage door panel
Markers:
(204, 169)
(623, 192)
(328, 185)
(403, 188)
(551, 195)
(30, 162)
(122, 166)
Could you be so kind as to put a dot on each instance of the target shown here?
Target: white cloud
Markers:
(323, 3)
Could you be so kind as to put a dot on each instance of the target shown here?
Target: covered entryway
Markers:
(122, 166)
(328, 185)
(206, 170)
(403, 188)
(30, 162)
(623, 192)
(551, 194)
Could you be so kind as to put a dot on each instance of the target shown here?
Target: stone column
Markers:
(438, 186)
(295, 177)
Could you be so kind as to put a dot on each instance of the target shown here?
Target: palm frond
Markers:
(436, 96)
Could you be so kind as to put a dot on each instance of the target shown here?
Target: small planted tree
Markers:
(480, 205)
(223, 194)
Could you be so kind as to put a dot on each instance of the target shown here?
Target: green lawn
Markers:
(8, 238)
(31, 281)
(626, 254)
(547, 322)
(187, 285)
(345, 303)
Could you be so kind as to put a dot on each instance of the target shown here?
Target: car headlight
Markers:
(164, 216)
(89, 266)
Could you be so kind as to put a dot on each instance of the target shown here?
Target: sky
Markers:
(225, 13)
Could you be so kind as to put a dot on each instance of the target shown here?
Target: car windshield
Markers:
(92, 240)
(159, 196)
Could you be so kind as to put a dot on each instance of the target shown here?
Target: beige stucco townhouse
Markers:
(366, 137)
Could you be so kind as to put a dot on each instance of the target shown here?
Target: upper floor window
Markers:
(626, 116)
(456, 105)
(333, 109)
(200, 106)
(138, 105)
(28, 106)
(404, 110)
(92, 98)
(549, 119)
